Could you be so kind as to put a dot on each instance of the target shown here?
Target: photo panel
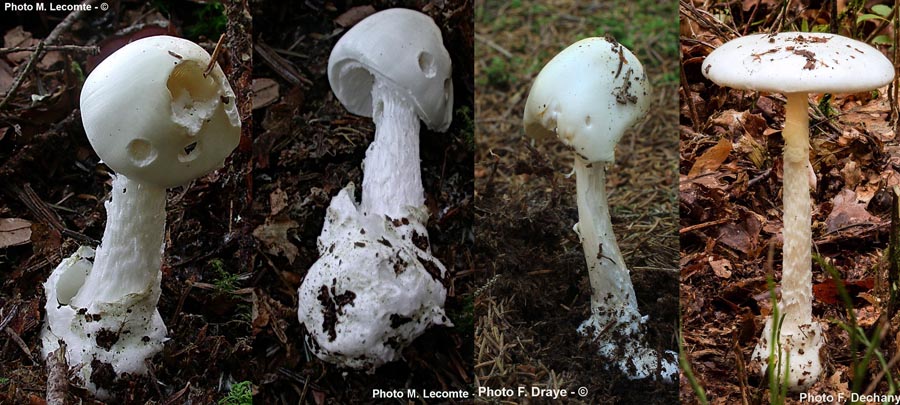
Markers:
(787, 191)
(589, 313)
(236, 202)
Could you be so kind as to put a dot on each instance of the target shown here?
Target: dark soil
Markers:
(229, 297)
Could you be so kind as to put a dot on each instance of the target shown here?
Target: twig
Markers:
(40, 210)
(67, 22)
(214, 56)
(493, 45)
(692, 228)
(39, 50)
(281, 66)
(92, 50)
(21, 76)
(19, 342)
(57, 376)
(688, 99)
(704, 19)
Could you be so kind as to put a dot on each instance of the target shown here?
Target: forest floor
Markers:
(238, 241)
(534, 289)
(730, 191)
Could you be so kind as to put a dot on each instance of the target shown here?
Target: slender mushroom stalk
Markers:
(606, 266)
(588, 96)
(797, 64)
(392, 178)
(376, 286)
(154, 117)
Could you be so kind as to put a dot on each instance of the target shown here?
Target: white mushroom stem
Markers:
(800, 337)
(129, 258)
(392, 178)
(796, 290)
(613, 292)
(615, 322)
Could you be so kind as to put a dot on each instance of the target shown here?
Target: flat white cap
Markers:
(403, 47)
(151, 115)
(588, 95)
(798, 62)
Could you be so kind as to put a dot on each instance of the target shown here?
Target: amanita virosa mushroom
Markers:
(797, 64)
(588, 96)
(376, 286)
(153, 116)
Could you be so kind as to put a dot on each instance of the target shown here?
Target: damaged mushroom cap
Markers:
(151, 115)
(371, 292)
(571, 97)
(798, 62)
(403, 47)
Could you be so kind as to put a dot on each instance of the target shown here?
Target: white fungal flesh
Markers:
(106, 311)
(615, 322)
(392, 179)
(151, 114)
(154, 117)
(372, 291)
(403, 47)
(797, 63)
(376, 258)
(376, 286)
(588, 96)
(801, 336)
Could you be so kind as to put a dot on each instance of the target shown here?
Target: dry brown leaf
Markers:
(852, 174)
(722, 267)
(354, 15)
(265, 92)
(273, 234)
(710, 160)
(277, 201)
(19, 38)
(847, 211)
(14, 232)
(742, 235)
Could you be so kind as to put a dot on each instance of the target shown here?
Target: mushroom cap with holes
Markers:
(587, 96)
(798, 62)
(403, 47)
(151, 115)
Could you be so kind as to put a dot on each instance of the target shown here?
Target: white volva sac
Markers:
(587, 96)
(797, 63)
(376, 286)
(153, 117)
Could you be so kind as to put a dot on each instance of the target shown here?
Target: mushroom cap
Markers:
(151, 115)
(588, 95)
(798, 62)
(402, 47)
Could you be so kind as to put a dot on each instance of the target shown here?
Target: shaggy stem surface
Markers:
(129, 258)
(392, 177)
(800, 337)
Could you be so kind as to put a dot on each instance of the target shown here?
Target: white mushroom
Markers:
(154, 118)
(376, 286)
(588, 96)
(797, 64)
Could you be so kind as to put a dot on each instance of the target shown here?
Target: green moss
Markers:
(240, 394)
(224, 281)
(210, 21)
